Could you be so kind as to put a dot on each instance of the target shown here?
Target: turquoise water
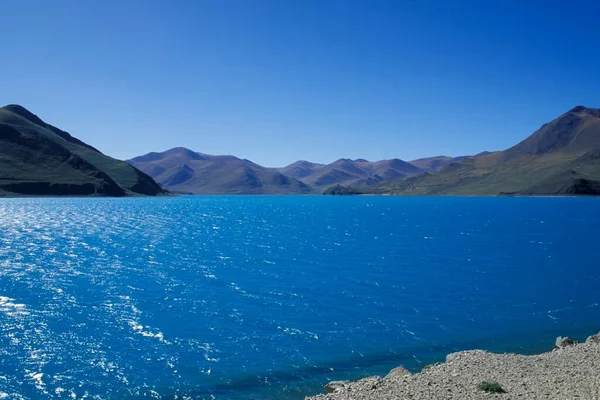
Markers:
(264, 297)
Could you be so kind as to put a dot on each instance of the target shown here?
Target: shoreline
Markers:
(570, 370)
(12, 195)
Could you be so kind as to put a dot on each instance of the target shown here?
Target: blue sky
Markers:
(282, 80)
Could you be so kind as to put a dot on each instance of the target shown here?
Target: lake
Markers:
(238, 297)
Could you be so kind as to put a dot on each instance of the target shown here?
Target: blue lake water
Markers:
(271, 297)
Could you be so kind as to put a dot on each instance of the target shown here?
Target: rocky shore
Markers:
(570, 371)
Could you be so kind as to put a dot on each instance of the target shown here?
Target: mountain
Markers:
(301, 169)
(562, 157)
(434, 164)
(185, 171)
(344, 171)
(37, 158)
(389, 169)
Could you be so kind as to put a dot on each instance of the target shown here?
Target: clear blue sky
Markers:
(282, 80)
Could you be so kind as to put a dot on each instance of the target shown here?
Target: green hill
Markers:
(341, 190)
(562, 157)
(39, 159)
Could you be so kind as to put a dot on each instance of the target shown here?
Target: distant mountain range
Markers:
(37, 158)
(562, 157)
(350, 172)
(181, 170)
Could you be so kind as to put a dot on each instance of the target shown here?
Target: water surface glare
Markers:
(270, 297)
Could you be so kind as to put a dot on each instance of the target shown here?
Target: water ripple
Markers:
(262, 297)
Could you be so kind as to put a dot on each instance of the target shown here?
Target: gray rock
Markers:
(334, 386)
(452, 356)
(594, 339)
(563, 374)
(562, 342)
(371, 383)
(398, 371)
(428, 366)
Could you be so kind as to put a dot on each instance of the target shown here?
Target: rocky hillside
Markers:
(37, 158)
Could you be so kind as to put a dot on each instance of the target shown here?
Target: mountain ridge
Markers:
(208, 174)
(182, 170)
(37, 158)
(345, 171)
(558, 158)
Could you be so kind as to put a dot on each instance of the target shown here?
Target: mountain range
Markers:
(37, 158)
(560, 158)
(358, 172)
(181, 170)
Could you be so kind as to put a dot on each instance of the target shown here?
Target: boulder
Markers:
(398, 371)
(334, 386)
(562, 342)
(594, 339)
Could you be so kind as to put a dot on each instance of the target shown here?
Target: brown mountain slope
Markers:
(437, 163)
(184, 171)
(558, 158)
(350, 172)
(301, 169)
(432, 164)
